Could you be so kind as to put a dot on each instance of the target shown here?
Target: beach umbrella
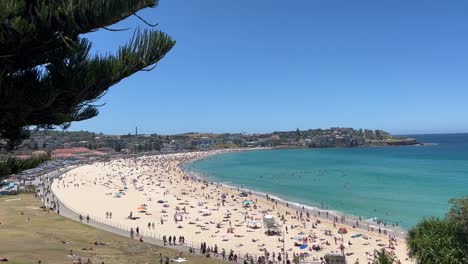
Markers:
(141, 208)
(160, 201)
(342, 230)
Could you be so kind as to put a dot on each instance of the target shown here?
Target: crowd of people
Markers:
(210, 211)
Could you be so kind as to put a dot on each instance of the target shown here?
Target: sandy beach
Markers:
(154, 194)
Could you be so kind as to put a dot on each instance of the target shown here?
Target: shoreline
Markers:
(166, 190)
(350, 220)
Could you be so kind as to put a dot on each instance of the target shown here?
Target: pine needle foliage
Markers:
(48, 77)
(383, 257)
(441, 241)
(13, 165)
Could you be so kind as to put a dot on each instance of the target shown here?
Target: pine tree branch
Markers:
(47, 77)
(53, 23)
(115, 30)
(146, 22)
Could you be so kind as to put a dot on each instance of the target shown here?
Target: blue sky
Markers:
(261, 66)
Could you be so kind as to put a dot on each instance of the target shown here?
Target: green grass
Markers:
(23, 241)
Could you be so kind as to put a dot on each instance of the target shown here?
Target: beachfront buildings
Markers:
(89, 143)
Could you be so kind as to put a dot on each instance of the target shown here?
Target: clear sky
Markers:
(266, 65)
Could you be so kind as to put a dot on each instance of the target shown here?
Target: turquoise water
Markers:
(396, 184)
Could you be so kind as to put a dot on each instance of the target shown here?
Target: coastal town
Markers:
(64, 147)
(82, 144)
(62, 151)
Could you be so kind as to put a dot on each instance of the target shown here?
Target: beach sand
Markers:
(155, 189)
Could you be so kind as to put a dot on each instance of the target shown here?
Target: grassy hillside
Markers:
(24, 241)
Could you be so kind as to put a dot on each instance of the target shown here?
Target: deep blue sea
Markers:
(395, 184)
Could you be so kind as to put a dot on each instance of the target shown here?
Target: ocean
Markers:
(395, 184)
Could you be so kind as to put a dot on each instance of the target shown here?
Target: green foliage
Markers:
(48, 77)
(118, 147)
(14, 136)
(459, 212)
(157, 145)
(13, 165)
(298, 134)
(226, 146)
(441, 240)
(383, 257)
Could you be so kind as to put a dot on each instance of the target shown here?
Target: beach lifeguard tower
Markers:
(269, 222)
